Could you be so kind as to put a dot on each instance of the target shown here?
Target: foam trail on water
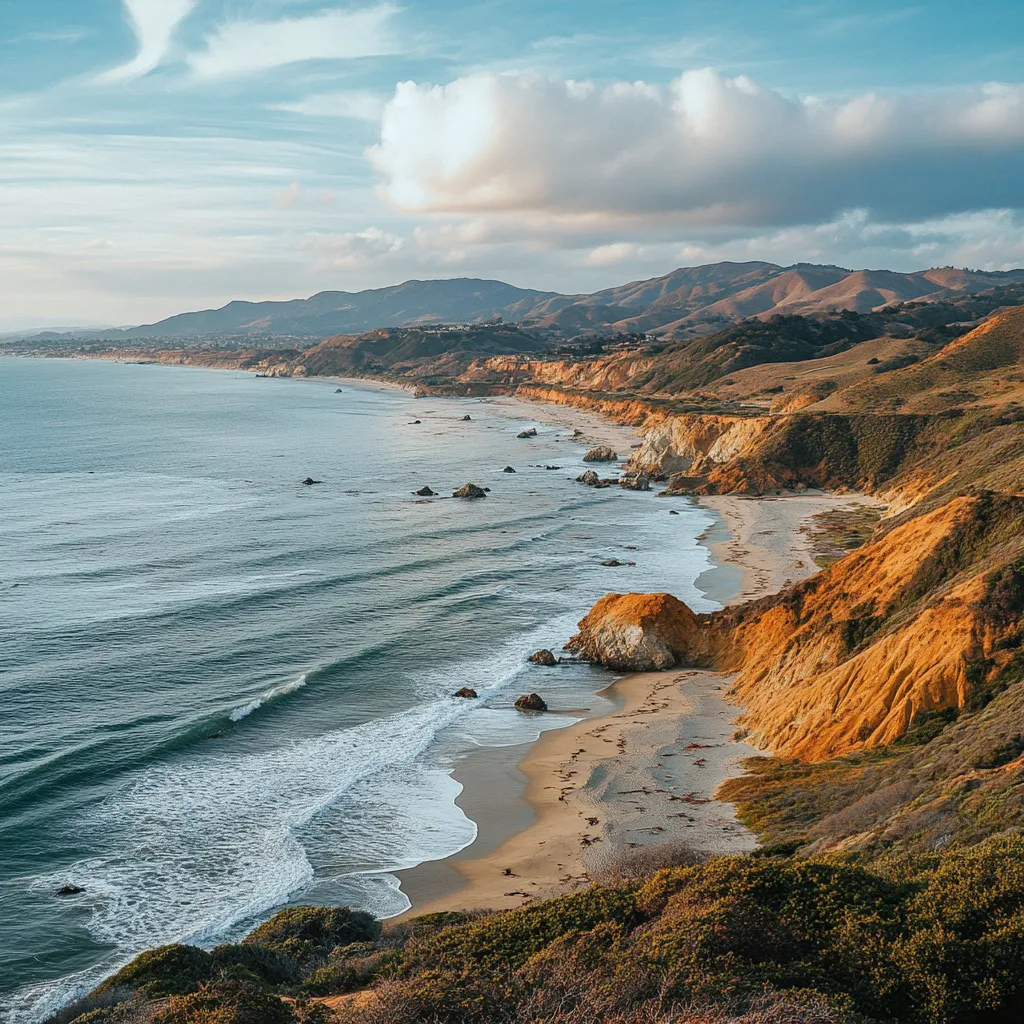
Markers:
(272, 694)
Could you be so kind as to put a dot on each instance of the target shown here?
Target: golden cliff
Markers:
(921, 620)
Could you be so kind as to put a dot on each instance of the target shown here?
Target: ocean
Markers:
(222, 691)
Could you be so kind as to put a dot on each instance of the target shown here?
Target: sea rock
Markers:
(635, 482)
(467, 419)
(338, 391)
(672, 512)
(601, 454)
(425, 492)
(415, 423)
(467, 692)
(640, 633)
(577, 433)
(529, 432)
(552, 467)
(309, 482)
(69, 890)
(508, 469)
(531, 702)
(470, 491)
(590, 478)
(614, 563)
(543, 657)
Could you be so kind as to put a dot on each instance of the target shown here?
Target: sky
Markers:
(158, 156)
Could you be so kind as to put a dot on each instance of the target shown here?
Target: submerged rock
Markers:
(309, 482)
(338, 391)
(470, 491)
(467, 692)
(615, 563)
(543, 657)
(69, 890)
(601, 454)
(640, 633)
(531, 702)
(529, 432)
(425, 492)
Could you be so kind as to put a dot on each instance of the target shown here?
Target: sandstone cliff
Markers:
(921, 620)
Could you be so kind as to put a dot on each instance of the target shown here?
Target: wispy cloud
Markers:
(357, 104)
(154, 23)
(245, 47)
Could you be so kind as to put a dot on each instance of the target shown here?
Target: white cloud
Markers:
(707, 153)
(612, 253)
(358, 104)
(244, 47)
(154, 23)
(353, 249)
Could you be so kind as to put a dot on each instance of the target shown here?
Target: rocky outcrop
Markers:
(695, 444)
(601, 454)
(467, 692)
(635, 482)
(470, 491)
(590, 478)
(641, 633)
(531, 702)
(543, 657)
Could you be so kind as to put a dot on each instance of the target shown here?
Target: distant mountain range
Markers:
(687, 302)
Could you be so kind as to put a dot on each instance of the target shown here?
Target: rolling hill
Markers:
(687, 302)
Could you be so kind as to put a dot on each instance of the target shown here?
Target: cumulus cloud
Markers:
(708, 152)
(244, 47)
(154, 23)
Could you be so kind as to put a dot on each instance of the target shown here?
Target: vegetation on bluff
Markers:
(919, 940)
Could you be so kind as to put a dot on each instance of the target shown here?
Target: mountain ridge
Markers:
(685, 302)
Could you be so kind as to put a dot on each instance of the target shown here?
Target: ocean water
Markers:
(221, 691)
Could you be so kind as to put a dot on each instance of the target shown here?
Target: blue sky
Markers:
(162, 155)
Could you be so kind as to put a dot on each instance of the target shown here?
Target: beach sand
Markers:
(559, 813)
(594, 428)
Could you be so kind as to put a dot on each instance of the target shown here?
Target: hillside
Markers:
(684, 303)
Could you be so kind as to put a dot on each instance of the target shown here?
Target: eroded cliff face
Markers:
(916, 622)
(695, 443)
(850, 658)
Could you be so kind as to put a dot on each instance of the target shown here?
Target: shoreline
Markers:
(643, 774)
(551, 812)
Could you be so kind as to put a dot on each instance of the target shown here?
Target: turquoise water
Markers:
(223, 691)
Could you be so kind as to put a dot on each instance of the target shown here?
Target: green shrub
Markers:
(164, 971)
(227, 1002)
(304, 930)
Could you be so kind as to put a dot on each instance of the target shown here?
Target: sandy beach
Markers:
(645, 774)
